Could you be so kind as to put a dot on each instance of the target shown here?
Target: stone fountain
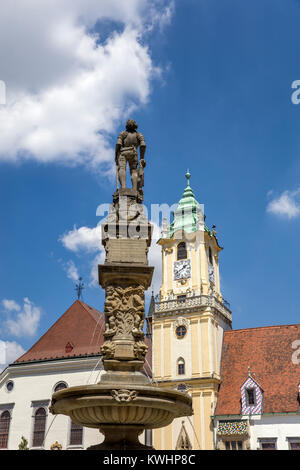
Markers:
(124, 403)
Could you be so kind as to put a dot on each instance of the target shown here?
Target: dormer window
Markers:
(250, 396)
(68, 348)
(181, 251)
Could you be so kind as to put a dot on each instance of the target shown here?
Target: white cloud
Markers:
(82, 239)
(286, 205)
(71, 270)
(162, 17)
(25, 322)
(98, 259)
(86, 239)
(10, 305)
(9, 352)
(67, 88)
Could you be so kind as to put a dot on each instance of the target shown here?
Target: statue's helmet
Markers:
(131, 125)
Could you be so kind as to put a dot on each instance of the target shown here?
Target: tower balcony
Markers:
(190, 304)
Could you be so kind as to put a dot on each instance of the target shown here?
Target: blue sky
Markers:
(209, 84)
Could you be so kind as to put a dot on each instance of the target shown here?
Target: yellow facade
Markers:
(188, 324)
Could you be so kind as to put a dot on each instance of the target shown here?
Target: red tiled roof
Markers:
(78, 332)
(81, 326)
(268, 352)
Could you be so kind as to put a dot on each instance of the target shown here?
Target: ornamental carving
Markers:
(108, 350)
(56, 446)
(124, 395)
(124, 310)
(140, 350)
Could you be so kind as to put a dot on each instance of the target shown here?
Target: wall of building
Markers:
(277, 426)
(35, 383)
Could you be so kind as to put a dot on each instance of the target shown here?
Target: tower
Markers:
(188, 322)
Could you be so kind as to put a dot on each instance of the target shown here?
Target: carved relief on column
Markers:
(124, 310)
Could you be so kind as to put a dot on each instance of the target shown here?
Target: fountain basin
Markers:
(144, 406)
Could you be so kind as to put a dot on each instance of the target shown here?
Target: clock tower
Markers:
(189, 317)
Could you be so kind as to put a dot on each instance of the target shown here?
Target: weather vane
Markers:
(79, 288)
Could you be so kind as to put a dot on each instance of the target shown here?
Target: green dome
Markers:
(188, 212)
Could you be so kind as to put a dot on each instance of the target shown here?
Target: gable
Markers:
(77, 333)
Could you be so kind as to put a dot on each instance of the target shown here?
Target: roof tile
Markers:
(268, 352)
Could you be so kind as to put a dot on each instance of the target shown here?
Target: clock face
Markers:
(182, 269)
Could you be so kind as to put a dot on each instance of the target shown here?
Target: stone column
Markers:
(125, 276)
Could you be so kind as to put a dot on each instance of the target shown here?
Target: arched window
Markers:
(39, 427)
(76, 434)
(4, 429)
(181, 251)
(180, 366)
(60, 386)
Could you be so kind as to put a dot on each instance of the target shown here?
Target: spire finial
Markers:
(188, 175)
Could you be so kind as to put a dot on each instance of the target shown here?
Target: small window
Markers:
(181, 251)
(210, 255)
(180, 331)
(60, 386)
(39, 427)
(4, 429)
(250, 396)
(181, 297)
(294, 443)
(9, 385)
(69, 347)
(234, 445)
(181, 367)
(76, 434)
(267, 444)
(181, 388)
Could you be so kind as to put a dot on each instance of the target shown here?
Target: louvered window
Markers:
(181, 251)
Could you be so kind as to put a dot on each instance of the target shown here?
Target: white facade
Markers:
(33, 386)
(285, 428)
(278, 430)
